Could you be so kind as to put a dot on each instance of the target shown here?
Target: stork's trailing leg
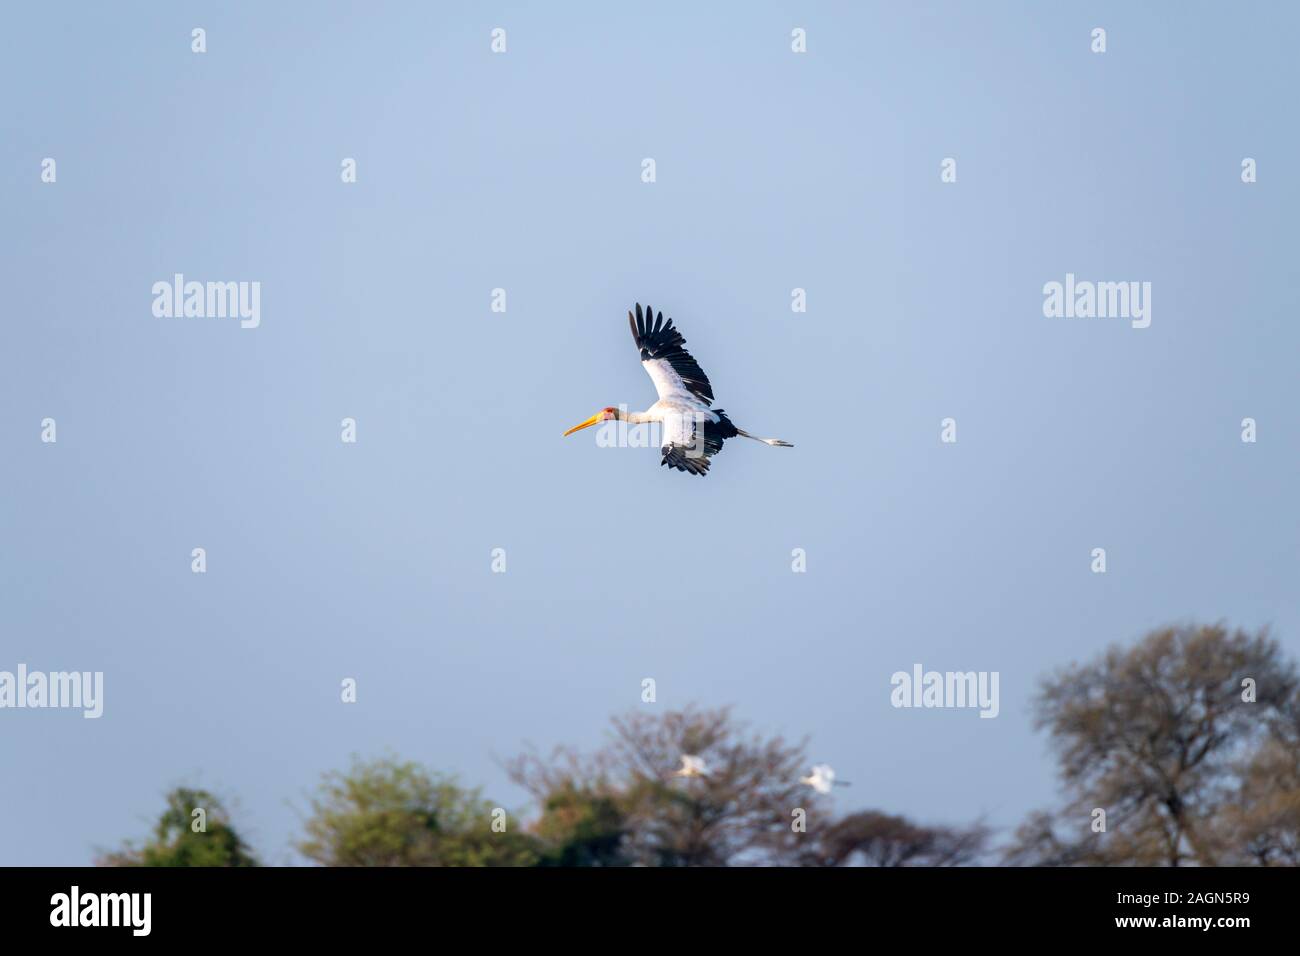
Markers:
(774, 442)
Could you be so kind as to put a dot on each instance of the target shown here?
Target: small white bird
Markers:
(692, 766)
(822, 778)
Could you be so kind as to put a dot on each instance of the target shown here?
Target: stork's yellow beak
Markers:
(593, 420)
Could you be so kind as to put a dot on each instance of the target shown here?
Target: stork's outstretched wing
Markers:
(674, 371)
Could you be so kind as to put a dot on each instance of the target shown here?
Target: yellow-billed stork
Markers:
(693, 431)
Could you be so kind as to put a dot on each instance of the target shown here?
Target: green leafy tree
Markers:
(581, 826)
(183, 837)
(389, 813)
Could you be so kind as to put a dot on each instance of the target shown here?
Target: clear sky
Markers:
(522, 171)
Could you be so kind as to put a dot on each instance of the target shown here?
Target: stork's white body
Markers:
(679, 420)
(822, 779)
(692, 766)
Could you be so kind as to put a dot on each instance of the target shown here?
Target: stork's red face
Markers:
(604, 415)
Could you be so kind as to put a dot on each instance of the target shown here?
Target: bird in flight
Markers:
(822, 778)
(692, 766)
(693, 431)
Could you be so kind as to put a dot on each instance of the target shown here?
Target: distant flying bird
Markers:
(822, 779)
(692, 766)
(693, 431)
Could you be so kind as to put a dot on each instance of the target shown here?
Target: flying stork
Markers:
(693, 431)
(822, 778)
(692, 766)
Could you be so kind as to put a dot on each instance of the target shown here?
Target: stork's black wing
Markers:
(674, 370)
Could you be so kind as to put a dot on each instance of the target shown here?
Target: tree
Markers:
(183, 837)
(581, 826)
(1162, 737)
(387, 813)
(1262, 825)
(871, 838)
(624, 805)
(634, 810)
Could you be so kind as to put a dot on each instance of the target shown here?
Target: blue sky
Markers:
(522, 171)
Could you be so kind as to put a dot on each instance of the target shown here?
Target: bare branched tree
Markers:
(624, 805)
(738, 812)
(880, 839)
(1157, 736)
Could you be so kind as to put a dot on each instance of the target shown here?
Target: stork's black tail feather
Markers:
(724, 428)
